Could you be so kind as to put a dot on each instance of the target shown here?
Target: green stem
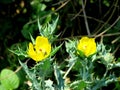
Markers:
(68, 70)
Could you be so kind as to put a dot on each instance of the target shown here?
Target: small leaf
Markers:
(19, 52)
(59, 78)
(33, 41)
(44, 68)
(29, 29)
(39, 25)
(81, 54)
(42, 6)
(48, 29)
(2, 87)
(55, 50)
(9, 79)
(31, 76)
(49, 85)
(79, 85)
(70, 46)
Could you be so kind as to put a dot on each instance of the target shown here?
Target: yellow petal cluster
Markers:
(87, 46)
(40, 50)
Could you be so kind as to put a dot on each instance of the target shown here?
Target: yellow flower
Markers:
(40, 50)
(87, 46)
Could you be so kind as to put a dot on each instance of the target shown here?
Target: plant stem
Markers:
(68, 70)
(108, 27)
(85, 18)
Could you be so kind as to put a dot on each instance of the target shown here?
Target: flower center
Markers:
(43, 51)
(85, 46)
(40, 50)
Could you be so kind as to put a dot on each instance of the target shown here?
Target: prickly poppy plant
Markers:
(87, 46)
(40, 50)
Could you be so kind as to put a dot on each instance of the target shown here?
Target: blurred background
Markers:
(18, 18)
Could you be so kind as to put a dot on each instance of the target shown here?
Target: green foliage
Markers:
(38, 12)
(9, 80)
(59, 78)
(43, 69)
(28, 29)
(55, 50)
(19, 52)
(106, 2)
(71, 46)
(78, 85)
(31, 76)
(34, 18)
(85, 68)
(37, 6)
(2, 87)
(48, 30)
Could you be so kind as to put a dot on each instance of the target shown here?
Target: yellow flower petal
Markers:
(41, 50)
(43, 45)
(87, 46)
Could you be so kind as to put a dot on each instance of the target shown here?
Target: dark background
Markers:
(14, 14)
